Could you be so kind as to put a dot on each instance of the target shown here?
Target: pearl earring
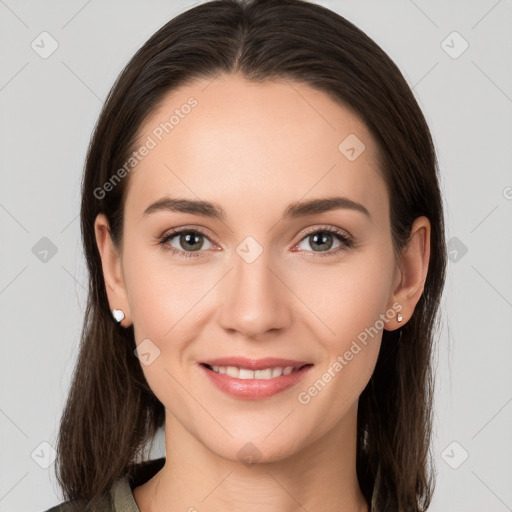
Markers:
(399, 317)
(118, 315)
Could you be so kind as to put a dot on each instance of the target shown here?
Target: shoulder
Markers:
(70, 506)
(121, 491)
(81, 506)
(120, 497)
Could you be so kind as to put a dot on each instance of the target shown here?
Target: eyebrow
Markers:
(293, 211)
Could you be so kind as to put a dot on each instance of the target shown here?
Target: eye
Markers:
(190, 240)
(324, 239)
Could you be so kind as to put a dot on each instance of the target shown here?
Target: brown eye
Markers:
(190, 241)
(187, 242)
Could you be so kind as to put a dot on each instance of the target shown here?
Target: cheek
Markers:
(348, 300)
(162, 298)
(347, 296)
(169, 304)
(161, 293)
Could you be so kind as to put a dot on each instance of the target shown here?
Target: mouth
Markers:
(251, 379)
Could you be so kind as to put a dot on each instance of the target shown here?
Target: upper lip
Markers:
(255, 364)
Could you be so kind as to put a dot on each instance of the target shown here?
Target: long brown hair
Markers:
(111, 414)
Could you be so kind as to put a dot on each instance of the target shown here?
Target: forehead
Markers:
(260, 144)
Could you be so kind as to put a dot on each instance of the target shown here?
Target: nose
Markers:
(256, 298)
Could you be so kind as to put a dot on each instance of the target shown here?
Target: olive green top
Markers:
(120, 497)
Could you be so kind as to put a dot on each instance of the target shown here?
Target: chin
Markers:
(256, 450)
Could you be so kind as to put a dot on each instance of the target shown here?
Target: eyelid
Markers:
(328, 228)
(171, 233)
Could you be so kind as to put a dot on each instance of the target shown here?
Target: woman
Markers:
(263, 227)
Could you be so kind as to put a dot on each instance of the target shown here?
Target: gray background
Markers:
(48, 109)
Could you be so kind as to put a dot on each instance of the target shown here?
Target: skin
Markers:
(254, 149)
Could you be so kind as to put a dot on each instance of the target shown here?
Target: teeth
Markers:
(263, 374)
(244, 373)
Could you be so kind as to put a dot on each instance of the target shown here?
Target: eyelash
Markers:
(346, 241)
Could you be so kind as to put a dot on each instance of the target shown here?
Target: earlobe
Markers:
(414, 260)
(112, 270)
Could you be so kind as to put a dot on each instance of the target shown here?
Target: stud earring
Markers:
(399, 317)
(118, 315)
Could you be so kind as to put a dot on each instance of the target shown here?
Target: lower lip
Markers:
(254, 389)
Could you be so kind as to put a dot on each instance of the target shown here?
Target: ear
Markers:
(411, 271)
(112, 269)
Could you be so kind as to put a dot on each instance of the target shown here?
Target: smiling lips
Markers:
(252, 379)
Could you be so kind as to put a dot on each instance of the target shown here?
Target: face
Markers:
(263, 280)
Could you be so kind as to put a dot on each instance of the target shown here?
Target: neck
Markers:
(320, 477)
